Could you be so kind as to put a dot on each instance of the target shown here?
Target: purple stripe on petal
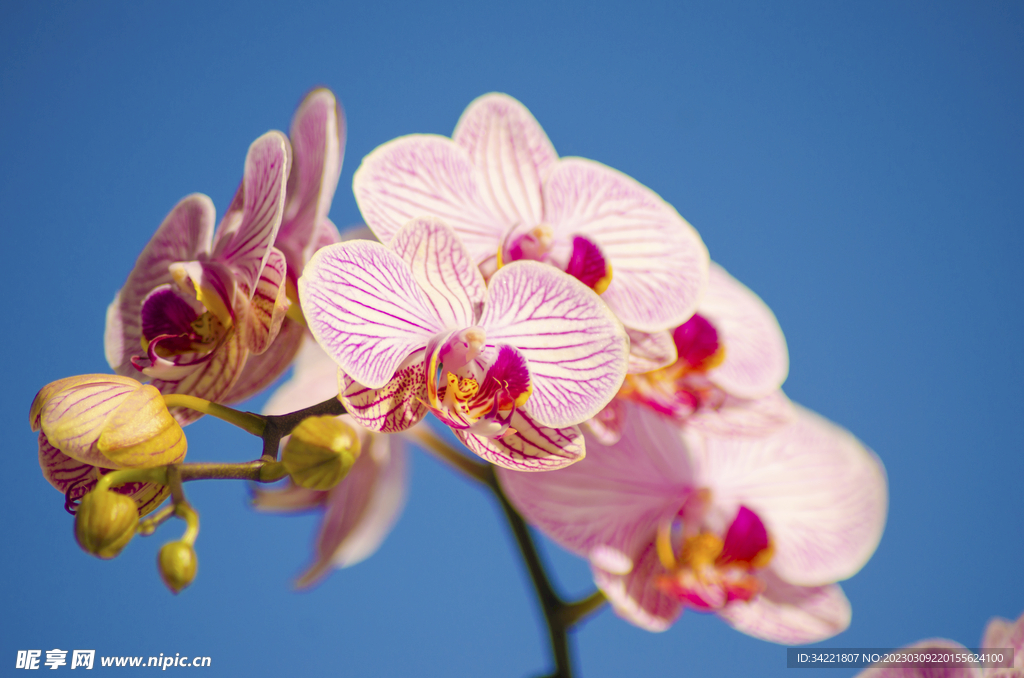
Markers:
(443, 269)
(425, 175)
(262, 370)
(659, 263)
(530, 448)
(245, 243)
(268, 305)
(636, 597)
(184, 235)
(212, 379)
(649, 352)
(396, 406)
(512, 153)
(364, 308)
(575, 346)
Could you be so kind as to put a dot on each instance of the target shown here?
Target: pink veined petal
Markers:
(244, 242)
(511, 151)
(616, 496)
(575, 346)
(289, 499)
(606, 427)
(268, 306)
(531, 448)
(398, 405)
(364, 307)
(636, 598)
(212, 379)
(443, 269)
(659, 263)
(820, 492)
(73, 418)
(262, 370)
(738, 417)
(184, 234)
(362, 508)
(649, 352)
(426, 175)
(790, 615)
(756, 359)
(318, 143)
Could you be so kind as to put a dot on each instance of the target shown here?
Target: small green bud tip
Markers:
(320, 452)
(105, 522)
(177, 562)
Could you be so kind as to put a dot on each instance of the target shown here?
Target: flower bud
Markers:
(108, 421)
(177, 562)
(320, 452)
(105, 522)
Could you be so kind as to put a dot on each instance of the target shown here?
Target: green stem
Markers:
(247, 421)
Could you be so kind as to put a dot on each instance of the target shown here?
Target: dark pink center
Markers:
(696, 341)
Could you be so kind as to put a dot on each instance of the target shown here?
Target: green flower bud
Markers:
(105, 522)
(320, 452)
(177, 562)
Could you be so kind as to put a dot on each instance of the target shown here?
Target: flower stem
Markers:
(560, 616)
(247, 421)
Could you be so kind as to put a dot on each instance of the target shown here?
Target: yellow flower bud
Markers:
(105, 522)
(177, 562)
(320, 452)
(108, 421)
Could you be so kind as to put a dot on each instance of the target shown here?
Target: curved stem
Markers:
(247, 421)
(560, 616)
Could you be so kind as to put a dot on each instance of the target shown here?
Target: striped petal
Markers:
(513, 154)
(268, 305)
(649, 352)
(364, 307)
(250, 225)
(659, 263)
(184, 235)
(262, 370)
(317, 137)
(396, 406)
(531, 448)
(74, 479)
(443, 269)
(211, 379)
(819, 491)
(739, 417)
(613, 498)
(575, 346)
(635, 596)
(426, 175)
(789, 614)
(756, 359)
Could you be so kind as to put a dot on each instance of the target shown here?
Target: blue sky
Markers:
(859, 165)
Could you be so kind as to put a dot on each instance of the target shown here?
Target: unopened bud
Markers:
(105, 522)
(177, 562)
(320, 452)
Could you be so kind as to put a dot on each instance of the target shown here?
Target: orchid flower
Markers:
(720, 371)
(500, 185)
(318, 144)
(999, 634)
(756, 530)
(197, 304)
(94, 423)
(359, 511)
(511, 367)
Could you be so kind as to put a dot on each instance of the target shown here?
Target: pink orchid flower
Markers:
(198, 303)
(359, 512)
(756, 530)
(512, 366)
(318, 145)
(999, 634)
(720, 371)
(500, 185)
